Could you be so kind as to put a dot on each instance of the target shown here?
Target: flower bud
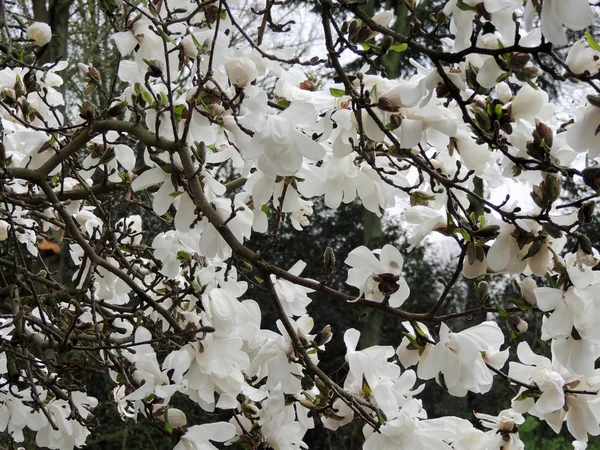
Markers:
(324, 336)
(591, 177)
(516, 324)
(586, 213)
(440, 18)
(527, 287)
(329, 262)
(484, 291)
(522, 326)
(518, 61)
(154, 68)
(40, 32)
(544, 132)
(174, 417)
(249, 409)
(241, 72)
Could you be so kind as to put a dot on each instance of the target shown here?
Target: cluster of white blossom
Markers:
(193, 107)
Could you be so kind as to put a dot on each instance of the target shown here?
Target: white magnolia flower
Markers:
(241, 71)
(461, 358)
(378, 279)
(40, 32)
(582, 135)
(574, 14)
(582, 58)
(538, 371)
(294, 298)
(503, 432)
(198, 437)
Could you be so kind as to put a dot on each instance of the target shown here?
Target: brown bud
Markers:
(591, 177)
(386, 43)
(440, 18)
(586, 213)
(386, 105)
(585, 245)
(518, 61)
(544, 132)
(324, 336)
(353, 27)
(329, 262)
(528, 72)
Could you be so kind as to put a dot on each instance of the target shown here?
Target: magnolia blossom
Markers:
(381, 279)
(40, 32)
(538, 371)
(582, 58)
(503, 432)
(461, 358)
(241, 71)
(198, 437)
(574, 14)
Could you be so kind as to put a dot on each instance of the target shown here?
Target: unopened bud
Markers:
(324, 336)
(245, 266)
(154, 69)
(484, 291)
(353, 27)
(117, 110)
(518, 61)
(522, 326)
(537, 194)
(544, 132)
(440, 18)
(528, 72)
(386, 43)
(302, 337)
(307, 383)
(307, 404)
(249, 409)
(174, 417)
(552, 187)
(585, 245)
(591, 177)
(322, 387)
(489, 231)
(329, 262)
(586, 213)
(527, 287)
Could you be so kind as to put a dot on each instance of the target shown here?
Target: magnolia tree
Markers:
(221, 142)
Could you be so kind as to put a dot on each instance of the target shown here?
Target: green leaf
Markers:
(463, 6)
(400, 47)
(365, 46)
(147, 97)
(532, 84)
(365, 387)
(283, 103)
(337, 92)
(178, 110)
(183, 256)
(591, 41)
(175, 194)
(521, 304)
(464, 234)
(503, 77)
(265, 208)
(501, 311)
